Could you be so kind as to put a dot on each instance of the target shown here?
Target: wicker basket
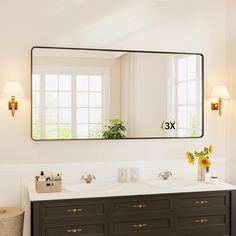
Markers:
(47, 186)
(11, 221)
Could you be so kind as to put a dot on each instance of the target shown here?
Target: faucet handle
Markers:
(88, 178)
(92, 176)
(165, 175)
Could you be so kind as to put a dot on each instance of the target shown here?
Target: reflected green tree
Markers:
(64, 132)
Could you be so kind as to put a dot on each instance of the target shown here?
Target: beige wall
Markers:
(234, 91)
(231, 36)
(187, 26)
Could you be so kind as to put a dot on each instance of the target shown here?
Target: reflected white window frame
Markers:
(173, 93)
(104, 72)
(73, 72)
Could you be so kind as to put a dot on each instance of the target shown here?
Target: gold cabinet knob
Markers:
(139, 225)
(201, 202)
(75, 210)
(74, 230)
(201, 221)
(140, 206)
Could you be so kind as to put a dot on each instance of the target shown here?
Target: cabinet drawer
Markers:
(209, 233)
(203, 201)
(201, 221)
(212, 223)
(141, 205)
(64, 209)
(89, 229)
(143, 226)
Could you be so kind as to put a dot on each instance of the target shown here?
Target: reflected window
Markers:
(186, 95)
(79, 93)
(67, 106)
(89, 106)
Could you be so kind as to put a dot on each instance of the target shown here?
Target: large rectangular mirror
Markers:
(114, 94)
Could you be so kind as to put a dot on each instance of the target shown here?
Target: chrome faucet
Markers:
(88, 178)
(165, 175)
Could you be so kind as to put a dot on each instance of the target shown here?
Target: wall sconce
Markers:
(13, 90)
(221, 93)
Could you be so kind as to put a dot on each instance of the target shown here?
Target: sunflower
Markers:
(204, 162)
(190, 158)
(211, 149)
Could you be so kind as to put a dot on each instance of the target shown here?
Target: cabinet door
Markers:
(46, 216)
(203, 213)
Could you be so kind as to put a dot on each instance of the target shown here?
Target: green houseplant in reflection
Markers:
(115, 130)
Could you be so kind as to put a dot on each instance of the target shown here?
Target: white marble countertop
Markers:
(127, 189)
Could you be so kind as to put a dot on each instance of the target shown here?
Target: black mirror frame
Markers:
(118, 50)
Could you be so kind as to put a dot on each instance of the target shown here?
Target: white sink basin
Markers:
(96, 187)
(174, 183)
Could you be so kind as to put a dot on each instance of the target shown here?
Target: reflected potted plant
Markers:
(114, 130)
(203, 158)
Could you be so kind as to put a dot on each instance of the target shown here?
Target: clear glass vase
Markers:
(201, 175)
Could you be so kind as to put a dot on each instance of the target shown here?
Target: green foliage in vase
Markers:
(115, 130)
(202, 156)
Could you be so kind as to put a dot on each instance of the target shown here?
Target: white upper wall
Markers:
(234, 80)
(183, 25)
(231, 36)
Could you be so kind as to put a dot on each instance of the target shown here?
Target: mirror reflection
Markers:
(99, 94)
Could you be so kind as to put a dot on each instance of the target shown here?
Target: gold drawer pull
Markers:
(140, 206)
(74, 210)
(201, 202)
(201, 221)
(140, 225)
(74, 230)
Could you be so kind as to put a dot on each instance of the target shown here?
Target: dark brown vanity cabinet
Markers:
(143, 215)
(188, 214)
(70, 217)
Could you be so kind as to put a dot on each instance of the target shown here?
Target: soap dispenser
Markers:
(42, 177)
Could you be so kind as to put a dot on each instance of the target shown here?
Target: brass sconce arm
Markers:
(13, 105)
(219, 92)
(217, 106)
(13, 90)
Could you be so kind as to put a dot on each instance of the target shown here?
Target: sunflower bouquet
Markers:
(203, 157)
